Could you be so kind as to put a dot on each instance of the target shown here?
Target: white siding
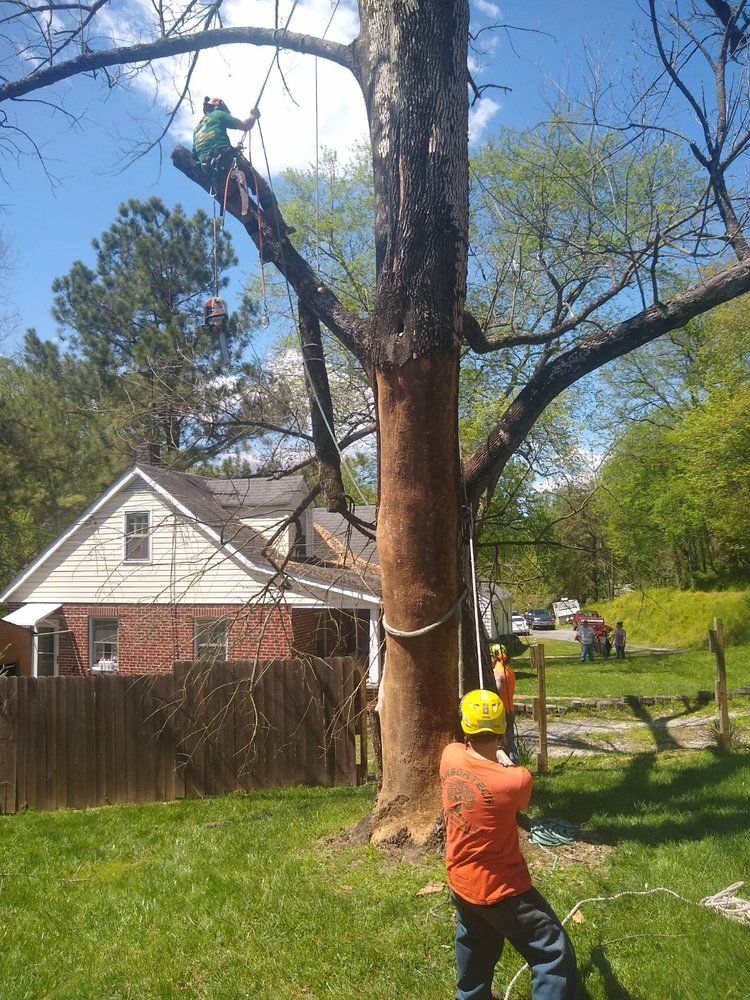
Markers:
(185, 566)
(267, 524)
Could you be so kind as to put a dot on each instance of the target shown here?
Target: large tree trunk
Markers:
(418, 549)
(412, 64)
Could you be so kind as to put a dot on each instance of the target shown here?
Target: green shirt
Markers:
(210, 135)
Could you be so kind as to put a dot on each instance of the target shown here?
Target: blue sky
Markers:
(49, 224)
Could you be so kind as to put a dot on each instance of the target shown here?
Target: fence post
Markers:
(716, 645)
(536, 655)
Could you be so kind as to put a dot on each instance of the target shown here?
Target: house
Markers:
(168, 566)
(496, 608)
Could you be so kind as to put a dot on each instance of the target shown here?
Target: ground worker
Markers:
(211, 145)
(488, 877)
(505, 681)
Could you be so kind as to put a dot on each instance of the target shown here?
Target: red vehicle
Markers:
(592, 617)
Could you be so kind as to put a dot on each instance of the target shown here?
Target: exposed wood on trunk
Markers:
(419, 558)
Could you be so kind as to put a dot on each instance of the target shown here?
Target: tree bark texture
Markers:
(411, 60)
(417, 538)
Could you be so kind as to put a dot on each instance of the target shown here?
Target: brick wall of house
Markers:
(152, 637)
(305, 623)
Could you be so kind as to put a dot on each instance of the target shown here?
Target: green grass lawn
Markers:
(240, 897)
(552, 647)
(639, 674)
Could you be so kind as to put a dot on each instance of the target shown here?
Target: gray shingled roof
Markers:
(285, 493)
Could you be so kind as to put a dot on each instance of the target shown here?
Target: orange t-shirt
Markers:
(505, 681)
(480, 799)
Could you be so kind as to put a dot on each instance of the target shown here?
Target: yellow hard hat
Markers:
(482, 712)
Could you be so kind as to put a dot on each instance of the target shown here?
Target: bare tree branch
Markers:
(483, 467)
(276, 248)
(163, 48)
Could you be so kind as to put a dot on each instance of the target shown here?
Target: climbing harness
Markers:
(236, 174)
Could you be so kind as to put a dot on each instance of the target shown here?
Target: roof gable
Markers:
(193, 497)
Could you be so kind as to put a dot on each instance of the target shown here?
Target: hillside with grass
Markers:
(679, 619)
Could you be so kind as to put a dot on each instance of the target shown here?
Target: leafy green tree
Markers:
(58, 449)
(674, 493)
(137, 317)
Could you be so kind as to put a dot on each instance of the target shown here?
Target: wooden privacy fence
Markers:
(201, 730)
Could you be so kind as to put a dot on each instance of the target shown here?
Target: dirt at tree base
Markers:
(588, 851)
(399, 846)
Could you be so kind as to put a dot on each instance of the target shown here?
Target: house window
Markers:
(45, 649)
(104, 644)
(138, 536)
(211, 638)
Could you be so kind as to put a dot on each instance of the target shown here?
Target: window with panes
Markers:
(137, 536)
(211, 639)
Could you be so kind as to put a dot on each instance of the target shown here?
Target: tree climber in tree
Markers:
(489, 880)
(211, 145)
(223, 161)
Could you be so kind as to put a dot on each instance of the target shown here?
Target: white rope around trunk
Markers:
(399, 633)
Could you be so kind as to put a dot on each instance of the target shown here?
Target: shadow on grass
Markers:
(613, 988)
(652, 805)
(663, 739)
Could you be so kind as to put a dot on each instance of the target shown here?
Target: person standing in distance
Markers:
(619, 636)
(586, 637)
(489, 880)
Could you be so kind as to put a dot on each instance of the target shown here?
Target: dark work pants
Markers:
(532, 927)
(619, 652)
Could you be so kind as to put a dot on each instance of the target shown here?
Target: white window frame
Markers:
(198, 622)
(45, 623)
(101, 618)
(125, 559)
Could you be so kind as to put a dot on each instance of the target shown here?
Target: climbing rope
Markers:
(216, 250)
(729, 910)
(552, 832)
(469, 542)
(261, 261)
(317, 149)
(276, 54)
(399, 633)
